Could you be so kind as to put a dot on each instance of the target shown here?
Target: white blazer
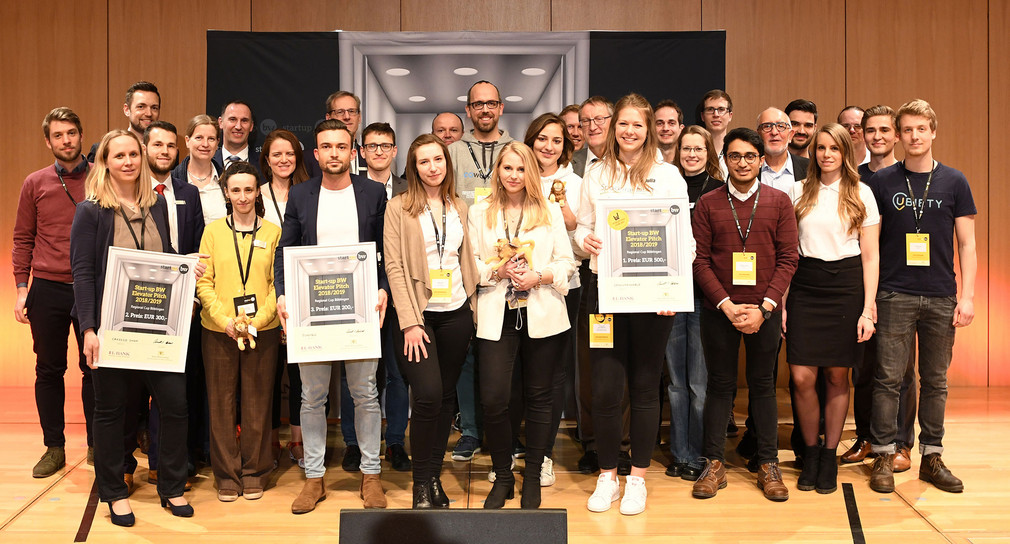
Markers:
(546, 312)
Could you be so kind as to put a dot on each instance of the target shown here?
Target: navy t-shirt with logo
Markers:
(949, 197)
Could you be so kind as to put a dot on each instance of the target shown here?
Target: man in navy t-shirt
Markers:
(923, 206)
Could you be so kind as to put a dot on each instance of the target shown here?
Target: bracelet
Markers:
(866, 316)
(540, 279)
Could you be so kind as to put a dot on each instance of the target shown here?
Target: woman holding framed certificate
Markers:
(524, 260)
(831, 302)
(433, 280)
(239, 307)
(634, 348)
(122, 210)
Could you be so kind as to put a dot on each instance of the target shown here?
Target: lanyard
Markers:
(244, 275)
(480, 171)
(744, 236)
(917, 210)
(273, 198)
(64, 184)
(508, 237)
(439, 244)
(143, 227)
(704, 186)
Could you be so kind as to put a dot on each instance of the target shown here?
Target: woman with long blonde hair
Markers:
(524, 262)
(830, 304)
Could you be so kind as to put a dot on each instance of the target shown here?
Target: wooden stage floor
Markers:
(47, 510)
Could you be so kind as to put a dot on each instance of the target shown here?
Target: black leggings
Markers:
(432, 384)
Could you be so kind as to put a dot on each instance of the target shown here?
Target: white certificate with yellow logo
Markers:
(147, 308)
(645, 264)
(331, 293)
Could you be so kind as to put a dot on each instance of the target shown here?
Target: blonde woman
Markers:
(199, 169)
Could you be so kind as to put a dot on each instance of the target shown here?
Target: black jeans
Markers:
(112, 386)
(538, 358)
(432, 382)
(49, 304)
(721, 342)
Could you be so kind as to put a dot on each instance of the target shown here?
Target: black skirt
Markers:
(823, 309)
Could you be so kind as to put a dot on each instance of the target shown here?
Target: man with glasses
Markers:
(747, 252)
(852, 119)
(803, 116)
(594, 119)
(346, 108)
(669, 123)
(780, 169)
(716, 112)
(474, 154)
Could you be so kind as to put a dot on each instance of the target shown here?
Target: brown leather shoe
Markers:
(712, 479)
(314, 491)
(770, 481)
(933, 470)
(128, 479)
(902, 459)
(372, 494)
(882, 476)
(859, 451)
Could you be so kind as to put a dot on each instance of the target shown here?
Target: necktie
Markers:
(160, 189)
(232, 159)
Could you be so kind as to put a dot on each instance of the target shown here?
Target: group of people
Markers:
(487, 290)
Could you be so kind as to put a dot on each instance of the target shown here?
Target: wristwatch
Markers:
(766, 314)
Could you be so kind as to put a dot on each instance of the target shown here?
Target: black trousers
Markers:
(432, 382)
(721, 342)
(538, 358)
(49, 304)
(112, 387)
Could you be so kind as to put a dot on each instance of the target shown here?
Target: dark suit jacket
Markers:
(189, 215)
(254, 158)
(301, 213)
(800, 165)
(179, 174)
(579, 159)
(91, 236)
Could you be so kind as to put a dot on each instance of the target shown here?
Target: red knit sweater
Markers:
(42, 228)
(773, 237)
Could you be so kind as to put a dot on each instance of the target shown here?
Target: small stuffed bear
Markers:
(558, 193)
(506, 250)
(242, 331)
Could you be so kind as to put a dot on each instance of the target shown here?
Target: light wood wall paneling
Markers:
(937, 51)
(780, 51)
(999, 191)
(50, 55)
(456, 15)
(174, 52)
(323, 15)
(637, 15)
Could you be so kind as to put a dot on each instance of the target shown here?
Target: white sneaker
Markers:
(547, 473)
(634, 496)
(607, 491)
(491, 476)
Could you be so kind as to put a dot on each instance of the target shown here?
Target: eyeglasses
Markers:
(490, 104)
(386, 147)
(717, 111)
(852, 127)
(767, 127)
(599, 120)
(340, 113)
(751, 158)
(695, 150)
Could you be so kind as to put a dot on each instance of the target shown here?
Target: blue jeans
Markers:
(900, 318)
(685, 362)
(395, 401)
(467, 396)
(367, 415)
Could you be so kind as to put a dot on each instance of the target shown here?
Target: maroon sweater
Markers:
(42, 228)
(773, 237)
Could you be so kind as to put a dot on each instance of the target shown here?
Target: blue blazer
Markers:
(254, 158)
(91, 235)
(189, 215)
(300, 217)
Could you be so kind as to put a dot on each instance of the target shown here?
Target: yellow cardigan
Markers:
(221, 282)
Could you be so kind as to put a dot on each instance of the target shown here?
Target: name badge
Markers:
(180, 202)
(916, 249)
(744, 268)
(441, 286)
(480, 193)
(260, 244)
(247, 303)
(601, 331)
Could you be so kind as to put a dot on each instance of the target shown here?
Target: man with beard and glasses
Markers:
(803, 116)
(336, 208)
(142, 107)
(41, 251)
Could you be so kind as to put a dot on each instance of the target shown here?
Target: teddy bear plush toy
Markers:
(507, 250)
(242, 331)
(557, 193)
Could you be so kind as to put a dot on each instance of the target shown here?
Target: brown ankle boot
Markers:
(313, 492)
(372, 494)
(712, 479)
(882, 476)
(770, 481)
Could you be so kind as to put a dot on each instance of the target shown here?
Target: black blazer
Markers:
(189, 215)
(91, 236)
(301, 214)
(399, 185)
(800, 165)
(254, 158)
(579, 159)
(180, 175)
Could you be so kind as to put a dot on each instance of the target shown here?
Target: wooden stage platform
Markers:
(40, 511)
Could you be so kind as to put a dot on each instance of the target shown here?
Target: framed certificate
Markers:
(147, 308)
(331, 294)
(645, 264)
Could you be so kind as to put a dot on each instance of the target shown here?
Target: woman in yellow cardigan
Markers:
(240, 280)
(433, 279)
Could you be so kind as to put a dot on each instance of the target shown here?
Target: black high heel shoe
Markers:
(501, 491)
(122, 520)
(184, 511)
(422, 496)
(438, 496)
